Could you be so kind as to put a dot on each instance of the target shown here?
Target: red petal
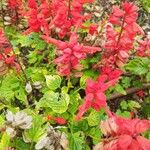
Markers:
(134, 145)
(124, 142)
(142, 126)
(144, 143)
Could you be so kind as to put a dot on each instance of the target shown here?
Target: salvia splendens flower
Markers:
(95, 96)
(124, 134)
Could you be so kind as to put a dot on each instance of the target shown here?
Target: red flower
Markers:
(70, 53)
(119, 43)
(143, 50)
(95, 96)
(124, 134)
(58, 120)
(141, 93)
(7, 52)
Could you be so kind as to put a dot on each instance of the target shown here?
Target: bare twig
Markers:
(129, 91)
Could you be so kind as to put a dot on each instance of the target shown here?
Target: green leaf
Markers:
(36, 132)
(95, 133)
(94, 118)
(120, 89)
(19, 144)
(56, 101)
(83, 80)
(138, 66)
(2, 121)
(124, 105)
(5, 140)
(148, 77)
(21, 95)
(125, 114)
(74, 102)
(126, 82)
(53, 81)
(76, 141)
(133, 104)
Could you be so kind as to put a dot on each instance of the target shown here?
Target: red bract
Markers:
(58, 120)
(140, 93)
(124, 134)
(143, 49)
(118, 44)
(57, 15)
(6, 52)
(37, 17)
(70, 53)
(95, 96)
(16, 10)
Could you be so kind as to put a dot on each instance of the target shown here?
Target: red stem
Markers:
(69, 8)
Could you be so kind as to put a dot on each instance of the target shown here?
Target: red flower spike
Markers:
(32, 4)
(70, 53)
(95, 96)
(7, 52)
(119, 43)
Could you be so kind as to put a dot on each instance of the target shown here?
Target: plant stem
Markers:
(69, 8)
(129, 91)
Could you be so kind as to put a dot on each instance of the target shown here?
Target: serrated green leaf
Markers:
(138, 65)
(36, 131)
(120, 89)
(5, 140)
(53, 81)
(133, 104)
(83, 80)
(124, 105)
(148, 76)
(20, 144)
(93, 118)
(76, 142)
(57, 102)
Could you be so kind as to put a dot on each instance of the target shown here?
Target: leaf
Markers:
(138, 65)
(132, 105)
(53, 81)
(74, 102)
(5, 140)
(21, 95)
(57, 102)
(126, 82)
(95, 133)
(76, 141)
(36, 132)
(20, 145)
(2, 121)
(83, 80)
(95, 117)
(124, 105)
(120, 89)
(148, 77)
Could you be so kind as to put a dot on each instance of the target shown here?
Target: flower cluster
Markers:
(14, 12)
(95, 96)
(37, 17)
(70, 53)
(6, 52)
(121, 31)
(58, 15)
(143, 49)
(124, 134)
